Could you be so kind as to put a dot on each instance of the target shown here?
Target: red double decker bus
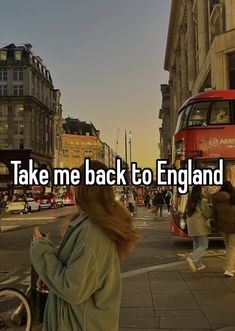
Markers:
(205, 131)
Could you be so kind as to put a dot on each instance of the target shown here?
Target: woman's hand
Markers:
(37, 233)
(41, 286)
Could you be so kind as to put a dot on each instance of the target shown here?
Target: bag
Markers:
(37, 298)
(182, 221)
(37, 301)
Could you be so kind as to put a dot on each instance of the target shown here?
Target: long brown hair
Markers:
(193, 200)
(98, 202)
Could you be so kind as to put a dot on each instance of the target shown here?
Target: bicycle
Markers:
(15, 311)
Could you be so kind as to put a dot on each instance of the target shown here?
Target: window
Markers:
(18, 143)
(17, 74)
(18, 90)
(185, 117)
(3, 74)
(3, 55)
(3, 89)
(198, 115)
(3, 143)
(3, 169)
(231, 68)
(179, 121)
(3, 110)
(18, 110)
(18, 127)
(220, 113)
(18, 55)
(3, 128)
(21, 143)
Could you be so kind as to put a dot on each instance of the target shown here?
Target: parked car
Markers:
(32, 205)
(47, 201)
(17, 206)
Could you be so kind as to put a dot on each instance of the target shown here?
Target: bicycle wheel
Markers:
(15, 311)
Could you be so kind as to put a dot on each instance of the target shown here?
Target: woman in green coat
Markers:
(83, 276)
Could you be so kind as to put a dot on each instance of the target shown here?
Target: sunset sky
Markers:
(106, 57)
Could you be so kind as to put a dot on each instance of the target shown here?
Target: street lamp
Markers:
(130, 135)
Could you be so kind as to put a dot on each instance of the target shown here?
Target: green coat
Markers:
(83, 278)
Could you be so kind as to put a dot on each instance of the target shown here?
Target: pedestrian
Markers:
(83, 276)
(198, 214)
(131, 202)
(168, 199)
(159, 202)
(224, 216)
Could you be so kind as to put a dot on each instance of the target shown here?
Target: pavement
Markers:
(170, 297)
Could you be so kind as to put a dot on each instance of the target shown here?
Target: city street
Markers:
(156, 246)
(157, 283)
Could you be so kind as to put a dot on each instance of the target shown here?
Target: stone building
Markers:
(200, 50)
(27, 111)
(80, 140)
(164, 115)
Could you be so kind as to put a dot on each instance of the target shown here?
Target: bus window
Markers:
(179, 121)
(198, 115)
(220, 113)
(185, 118)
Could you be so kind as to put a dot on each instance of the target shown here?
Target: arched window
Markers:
(3, 169)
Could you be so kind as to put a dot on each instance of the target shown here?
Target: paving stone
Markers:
(227, 328)
(222, 315)
(201, 329)
(215, 297)
(179, 312)
(187, 275)
(131, 329)
(167, 282)
(137, 311)
(136, 298)
(136, 292)
(174, 301)
(206, 283)
(186, 322)
(164, 275)
(229, 283)
(133, 321)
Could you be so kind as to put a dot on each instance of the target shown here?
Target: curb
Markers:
(8, 228)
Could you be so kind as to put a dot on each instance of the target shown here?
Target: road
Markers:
(155, 247)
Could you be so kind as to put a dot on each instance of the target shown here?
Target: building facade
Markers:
(200, 50)
(80, 140)
(164, 115)
(27, 111)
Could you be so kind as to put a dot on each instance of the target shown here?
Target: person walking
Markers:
(168, 199)
(83, 276)
(198, 213)
(159, 202)
(224, 216)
